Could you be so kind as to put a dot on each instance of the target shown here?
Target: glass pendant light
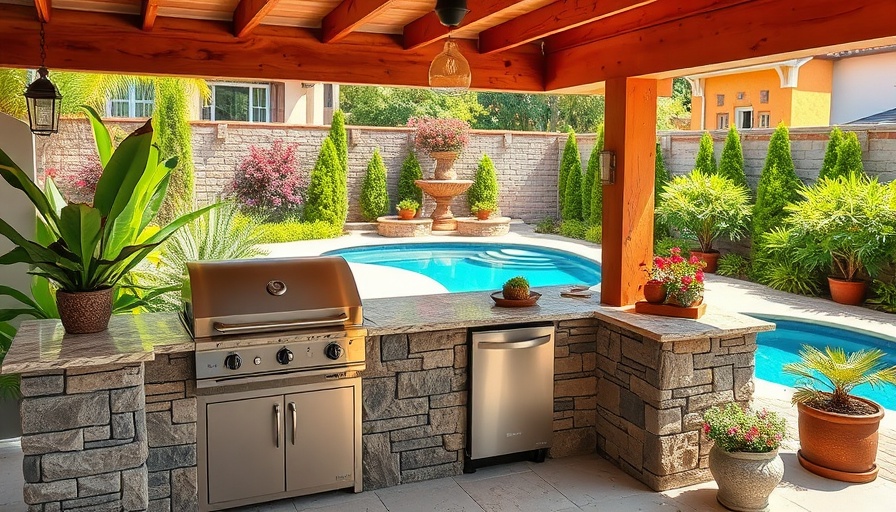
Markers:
(43, 98)
(450, 72)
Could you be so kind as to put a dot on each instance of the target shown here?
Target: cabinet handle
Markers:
(277, 414)
(292, 409)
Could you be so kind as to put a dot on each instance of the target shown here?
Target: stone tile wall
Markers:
(84, 439)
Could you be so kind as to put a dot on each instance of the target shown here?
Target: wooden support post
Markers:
(630, 132)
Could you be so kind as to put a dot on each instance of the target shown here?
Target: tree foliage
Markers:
(778, 186)
(849, 156)
(340, 138)
(660, 180)
(830, 154)
(731, 165)
(171, 115)
(322, 203)
(393, 106)
(572, 208)
(374, 196)
(410, 172)
(597, 190)
(485, 184)
(569, 163)
(706, 158)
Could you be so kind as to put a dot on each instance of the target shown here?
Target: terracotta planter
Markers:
(406, 214)
(85, 312)
(847, 292)
(711, 259)
(444, 162)
(673, 301)
(745, 479)
(654, 292)
(839, 446)
(483, 214)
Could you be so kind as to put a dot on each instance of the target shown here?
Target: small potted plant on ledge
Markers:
(443, 140)
(675, 287)
(407, 209)
(483, 209)
(744, 458)
(838, 430)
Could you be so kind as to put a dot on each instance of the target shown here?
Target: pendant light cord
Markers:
(43, 49)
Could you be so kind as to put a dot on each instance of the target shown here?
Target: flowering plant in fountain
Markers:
(738, 430)
(682, 278)
(437, 134)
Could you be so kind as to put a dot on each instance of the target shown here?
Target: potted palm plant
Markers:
(704, 208)
(93, 246)
(838, 430)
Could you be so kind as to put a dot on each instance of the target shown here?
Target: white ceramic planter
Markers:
(745, 479)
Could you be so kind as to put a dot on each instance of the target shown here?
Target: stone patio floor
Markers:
(587, 483)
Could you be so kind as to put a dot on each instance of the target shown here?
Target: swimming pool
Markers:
(467, 267)
(781, 346)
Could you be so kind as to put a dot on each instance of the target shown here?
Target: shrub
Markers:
(830, 154)
(410, 172)
(883, 296)
(322, 196)
(374, 196)
(731, 165)
(594, 234)
(849, 156)
(434, 134)
(573, 229)
(706, 158)
(485, 184)
(734, 265)
(572, 210)
(485, 205)
(737, 430)
(547, 225)
(340, 138)
(79, 187)
(569, 163)
(596, 201)
(267, 183)
(291, 231)
(778, 186)
(778, 266)
(660, 182)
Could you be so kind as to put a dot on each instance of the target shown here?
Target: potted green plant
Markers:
(704, 208)
(483, 209)
(93, 247)
(443, 139)
(407, 209)
(516, 288)
(846, 225)
(744, 458)
(838, 430)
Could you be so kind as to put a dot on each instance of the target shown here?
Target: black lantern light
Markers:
(43, 98)
(451, 12)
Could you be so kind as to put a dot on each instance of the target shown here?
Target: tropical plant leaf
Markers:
(123, 171)
(18, 179)
(100, 135)
(43, 293)
(17, 295)
(81, 228)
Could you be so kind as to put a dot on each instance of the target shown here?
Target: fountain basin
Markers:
(443, 192)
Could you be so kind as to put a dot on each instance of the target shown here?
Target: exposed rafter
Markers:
(427, 29)
(349, 15)
(148, 11)
(43, 8)
(248, 15)
(551, 19)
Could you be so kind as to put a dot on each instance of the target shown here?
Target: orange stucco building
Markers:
(796, 92)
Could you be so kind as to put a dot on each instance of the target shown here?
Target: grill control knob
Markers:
(333, 351)
(233, 362)
(284, 356)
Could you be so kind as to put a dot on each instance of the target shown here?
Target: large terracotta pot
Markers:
(711, 258)
(839, 446)
(745, 479)
(847, 292)
(654, 292)
(444, 162)
(85, 312)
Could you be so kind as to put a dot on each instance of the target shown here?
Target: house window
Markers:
(744, 118)
(722, 121)
(239, 102)
(328, 95)
(720, 100)
(765, 119)
(763, 96)
(134, 101)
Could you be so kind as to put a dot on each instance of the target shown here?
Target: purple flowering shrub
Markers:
(267, 182)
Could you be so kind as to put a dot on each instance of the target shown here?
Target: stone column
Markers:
(84, 439)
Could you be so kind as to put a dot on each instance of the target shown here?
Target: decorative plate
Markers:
(501, 302)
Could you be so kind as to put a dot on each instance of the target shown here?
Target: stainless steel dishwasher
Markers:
(512, 393)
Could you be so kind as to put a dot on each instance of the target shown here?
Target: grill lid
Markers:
(248, 296)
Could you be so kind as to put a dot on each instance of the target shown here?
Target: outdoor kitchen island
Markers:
(110, 420)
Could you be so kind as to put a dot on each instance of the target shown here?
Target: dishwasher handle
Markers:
(507, 345)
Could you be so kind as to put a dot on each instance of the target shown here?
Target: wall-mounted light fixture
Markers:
(607, 167)
(43, 98)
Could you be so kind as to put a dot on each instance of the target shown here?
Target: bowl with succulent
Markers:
(515, 293)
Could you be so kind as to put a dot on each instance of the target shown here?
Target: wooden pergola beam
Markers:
(551, 19)
(738, 33)
(427, 29)
(104, 42)
(348, 16)
(248, 15)
(148, 11)
(43, 8)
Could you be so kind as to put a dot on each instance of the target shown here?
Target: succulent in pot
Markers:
(483, 209)
(93, 247)
(516, 288)
(407, 208)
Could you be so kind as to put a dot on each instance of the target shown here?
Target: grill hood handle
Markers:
(264, 326)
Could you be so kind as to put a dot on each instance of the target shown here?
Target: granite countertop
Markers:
(42, 345)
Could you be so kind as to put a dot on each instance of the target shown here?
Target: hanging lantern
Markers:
(450, 72)
(43, 98)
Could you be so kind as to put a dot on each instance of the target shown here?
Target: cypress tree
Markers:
(731, 165)
(597, 191)
(830, 154)
(849, 156)
(171, 117)
(588, 185)
(573, 208)
(340, 138)
(322, 204)
(485, 184)
(568, 164)
(706, 158)
(660, 180)
(410, 172)
(778, 186)
(374, 196)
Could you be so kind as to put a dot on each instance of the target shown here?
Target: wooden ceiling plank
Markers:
(738, 33)
(635, 19)
(43, 8)
(148, 11)
(551, 19)
(428, 29)
(248, 15)
(348, 16)
(104, 42)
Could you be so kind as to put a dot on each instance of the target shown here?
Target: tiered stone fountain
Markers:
(443, 188)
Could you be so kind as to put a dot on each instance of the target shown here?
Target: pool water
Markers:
(781, 346)
(467, 267)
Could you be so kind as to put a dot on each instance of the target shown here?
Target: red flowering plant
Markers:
(681, 278)
(268, 183)
(742, 430)
(438, 134)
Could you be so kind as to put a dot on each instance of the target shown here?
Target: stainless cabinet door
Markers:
(320, 444)
(245, 448)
